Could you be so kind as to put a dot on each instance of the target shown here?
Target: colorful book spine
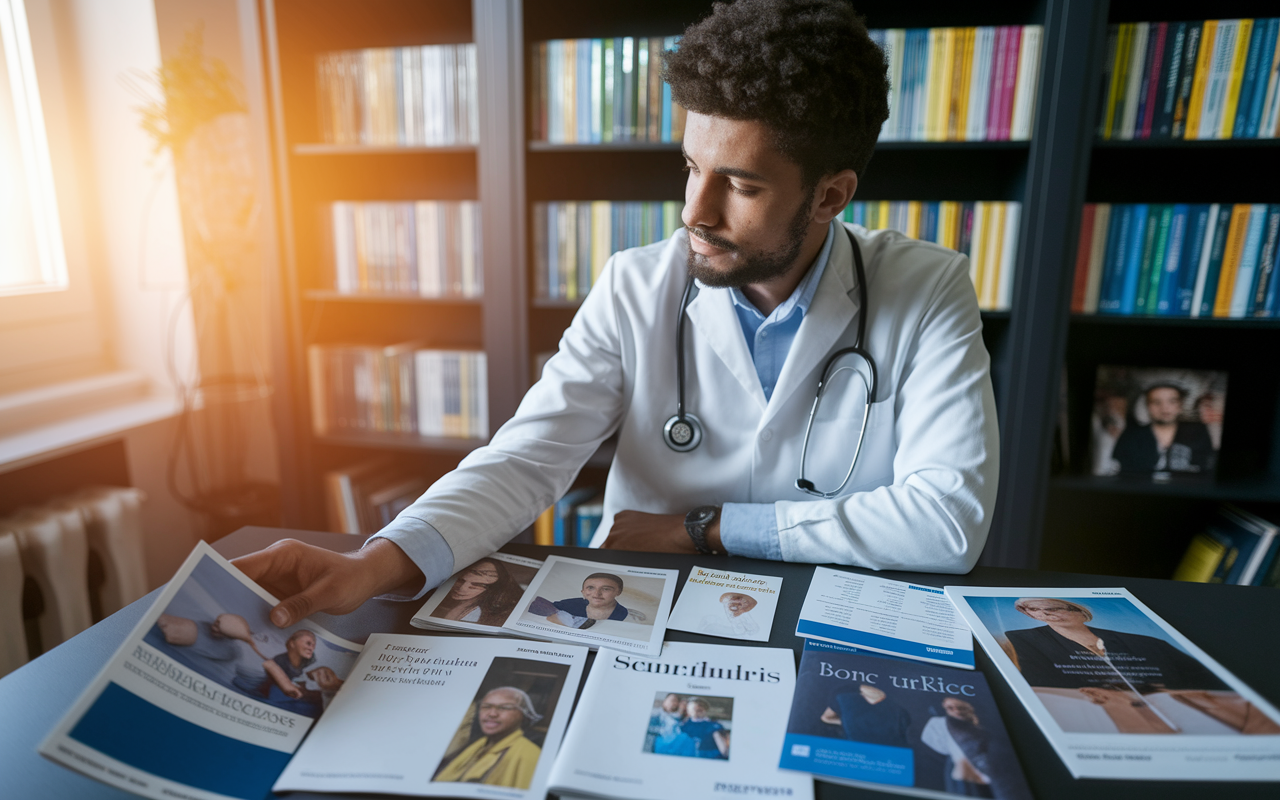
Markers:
(426, 248)
(574, 239)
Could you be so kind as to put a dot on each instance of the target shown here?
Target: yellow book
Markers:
(568, 266)
(1231, 259)
(958, 118)
(1238, 58)
(601, 233)
(1119, 71)
(882, 215)
(569, 93)
(913, 219)
(544, 527)
(951, 224)
(977, 242)
(934, 123)
(1201, 559)
(993, 254)
(1203, 58)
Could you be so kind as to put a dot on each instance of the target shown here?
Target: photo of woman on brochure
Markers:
(693, 726)
(499, 740)
(218, 628)
(1103, 667)
(484, 593)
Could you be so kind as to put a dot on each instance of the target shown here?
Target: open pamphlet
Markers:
(1117, 691)
(481, 597)
(885, 616)
(699, 720)
(899, 726)
(731, 605)
(207, 699)
(596, 604)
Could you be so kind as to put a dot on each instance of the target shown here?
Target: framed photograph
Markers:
(1157, 422)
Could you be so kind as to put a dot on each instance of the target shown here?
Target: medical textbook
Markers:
(898, 726)
(207, 699)
(699, 720)
(1117, 691)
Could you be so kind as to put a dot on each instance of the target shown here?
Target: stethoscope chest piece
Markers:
(682, 433)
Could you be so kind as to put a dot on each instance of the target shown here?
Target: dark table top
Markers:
(1237, 625)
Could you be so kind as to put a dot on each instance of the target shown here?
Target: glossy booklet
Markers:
(699, 720)
(898, 726)
(207, 699)
(1117, 691)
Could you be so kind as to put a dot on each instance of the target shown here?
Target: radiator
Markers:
(50, 546)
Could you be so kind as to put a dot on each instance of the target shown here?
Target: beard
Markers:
(757, 267)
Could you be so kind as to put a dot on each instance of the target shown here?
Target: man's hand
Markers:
(311, 579)
(657, 533)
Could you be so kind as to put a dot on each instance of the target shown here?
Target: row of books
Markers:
(603, 90)
(401, 389)
(1215, 79)
(426, 248)
(572, 521)
(987, 232)
(1237, 547)
(1178, 260)
(363, 498)
(573, 240)
(399, 96)
(961, 84)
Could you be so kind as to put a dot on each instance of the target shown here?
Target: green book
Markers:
(1156, 267)
(1148, 249)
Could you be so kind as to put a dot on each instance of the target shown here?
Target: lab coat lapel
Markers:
(718, 326)
(830, 314)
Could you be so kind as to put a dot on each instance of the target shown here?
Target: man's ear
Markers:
(834, 192)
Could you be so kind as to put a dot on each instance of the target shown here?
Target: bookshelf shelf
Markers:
(400, 441)
(1186, 144)
(366, 150)
(605, 147)
(330, 296)
(1257, 489)
(912, 146)
(1198, 323)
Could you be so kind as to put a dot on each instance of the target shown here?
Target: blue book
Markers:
(1272, 308)
(1113, 263)
(917, 42)
(669, 43)
(1167, 304)
(1135, 246)
(1214, 268)
(1197, 226)
(582, 90)
(1254, 73)
(589, 517)
(1266, 263)
(1242, 292)
(564, 527)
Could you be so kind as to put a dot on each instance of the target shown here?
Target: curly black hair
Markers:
(807, 69)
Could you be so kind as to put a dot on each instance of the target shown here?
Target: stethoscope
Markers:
(683, 432)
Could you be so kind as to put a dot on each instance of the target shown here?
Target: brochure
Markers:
(700, 720)
(485, 719)
(207, 699)
(732, 605)
(899, 726)
(481, 597)
(597, 604)
(884, 616)
(1117, 691)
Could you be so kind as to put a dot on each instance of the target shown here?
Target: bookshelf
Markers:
(1054, 518)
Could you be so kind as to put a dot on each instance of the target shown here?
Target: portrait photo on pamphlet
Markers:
(480, 597)
(690, 725)
(1100, 665)
(1162, 423)
(219, 628)
(501, 735)
(731, 605)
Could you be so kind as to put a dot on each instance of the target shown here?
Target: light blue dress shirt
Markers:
(746, 529)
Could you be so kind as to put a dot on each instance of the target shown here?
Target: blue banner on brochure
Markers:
(885, 644)
(854, 761)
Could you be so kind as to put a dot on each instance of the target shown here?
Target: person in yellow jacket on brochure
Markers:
(503, 756)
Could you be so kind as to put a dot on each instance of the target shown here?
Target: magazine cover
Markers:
(1161, 423)
(700, 720)
(899, 726)
(205, 672)
(443, 716)
(597, 604)
(1117, 691)
(731, 605)
(481, 597)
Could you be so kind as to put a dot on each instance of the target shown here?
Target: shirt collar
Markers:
(802, 295)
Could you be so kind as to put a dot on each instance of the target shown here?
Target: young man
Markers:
(785, 100)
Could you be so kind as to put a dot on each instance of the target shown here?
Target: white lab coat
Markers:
(925, 485)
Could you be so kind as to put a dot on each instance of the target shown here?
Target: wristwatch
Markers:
(696, 522)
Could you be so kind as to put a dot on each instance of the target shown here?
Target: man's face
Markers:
(304, 646)
(738, 603)
(499, 713)
(671, 703)
(746, 208)
(697, 711)
(1164, 404)
(600, 592)
(957, 708)
(473, 582)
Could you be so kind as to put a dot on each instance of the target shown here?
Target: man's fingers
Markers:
(294, 608)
